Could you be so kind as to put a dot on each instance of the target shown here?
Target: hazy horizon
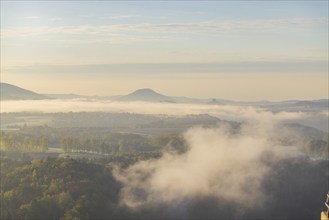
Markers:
(244, 51)
(91, 96)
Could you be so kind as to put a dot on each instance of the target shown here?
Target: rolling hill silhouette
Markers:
(147, 95)
(11, 92)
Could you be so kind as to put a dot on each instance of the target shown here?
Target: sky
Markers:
(240, 50)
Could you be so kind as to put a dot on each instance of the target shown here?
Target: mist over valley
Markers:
(167, 158)
(164, 110)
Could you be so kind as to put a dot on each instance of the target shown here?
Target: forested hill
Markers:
(66, 188)
(57, 189)
(147, 95)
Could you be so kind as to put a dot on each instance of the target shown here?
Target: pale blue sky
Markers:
(175, 47)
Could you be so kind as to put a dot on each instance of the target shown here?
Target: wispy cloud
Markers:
(215, 68)
(55, 19)
(221, 27)
(33, 17)
(124, 16)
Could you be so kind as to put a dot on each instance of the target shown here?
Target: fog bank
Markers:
(224, 112)
(219, 163)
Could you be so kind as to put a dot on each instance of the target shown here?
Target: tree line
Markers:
(23, 143)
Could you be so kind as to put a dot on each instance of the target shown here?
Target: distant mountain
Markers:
(314, 103)
(147, 95)
(11, 92)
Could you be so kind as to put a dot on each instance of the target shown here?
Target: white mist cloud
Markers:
(249, 114)
(221, 164)
(227, 112)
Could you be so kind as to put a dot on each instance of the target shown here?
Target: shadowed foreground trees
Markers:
(66, 188)
(57, 188)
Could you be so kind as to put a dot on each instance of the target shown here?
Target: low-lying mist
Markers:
(223, 167)
(220, 162)
(224, 112)
(252, 169)
(71, 105)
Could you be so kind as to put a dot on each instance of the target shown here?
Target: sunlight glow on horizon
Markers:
(232, 50)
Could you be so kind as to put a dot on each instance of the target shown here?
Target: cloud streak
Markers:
(33, 17)
(263, 67)
(124, 16)
(220, 27)
(55, 18)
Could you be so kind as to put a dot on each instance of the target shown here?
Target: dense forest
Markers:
(66, 188)
(67, 169)
(104, 141)
(57, 188)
